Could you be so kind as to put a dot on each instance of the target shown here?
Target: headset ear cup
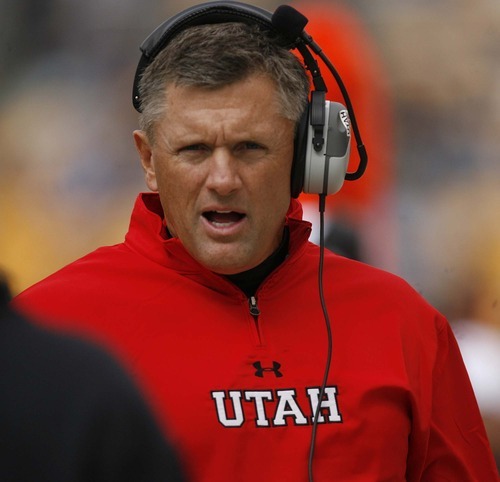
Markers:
(299, 154)
(327, 153)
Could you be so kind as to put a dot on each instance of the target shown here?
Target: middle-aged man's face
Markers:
(221, 163)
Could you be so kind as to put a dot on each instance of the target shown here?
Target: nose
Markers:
(223, 174)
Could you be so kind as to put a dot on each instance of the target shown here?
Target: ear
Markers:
(146, 154)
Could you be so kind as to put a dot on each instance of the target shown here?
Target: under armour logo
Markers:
(260, 370)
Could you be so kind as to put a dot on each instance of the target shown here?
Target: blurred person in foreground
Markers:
(213, 298)
(69, 413)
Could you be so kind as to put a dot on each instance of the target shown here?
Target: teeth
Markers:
(223, 217)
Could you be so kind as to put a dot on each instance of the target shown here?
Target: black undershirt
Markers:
(248, 281)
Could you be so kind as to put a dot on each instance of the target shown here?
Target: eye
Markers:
(193, 147)
(251, 145)
(193, 153)
(250, 150)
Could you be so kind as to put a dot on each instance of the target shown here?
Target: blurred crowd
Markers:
(424, 78)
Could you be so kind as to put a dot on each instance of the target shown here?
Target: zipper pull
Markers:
(254, 309)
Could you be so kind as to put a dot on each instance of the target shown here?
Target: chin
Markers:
(223, 264)
(224, 269)
(230, 258)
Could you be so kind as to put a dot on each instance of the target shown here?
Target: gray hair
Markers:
(216, 55)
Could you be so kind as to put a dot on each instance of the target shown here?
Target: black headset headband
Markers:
(205, 13)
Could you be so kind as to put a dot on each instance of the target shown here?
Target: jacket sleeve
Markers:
(458, 448)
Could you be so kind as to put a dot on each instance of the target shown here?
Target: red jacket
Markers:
(237, 391)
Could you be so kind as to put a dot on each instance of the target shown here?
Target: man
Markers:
(213, 300)
(68, 412)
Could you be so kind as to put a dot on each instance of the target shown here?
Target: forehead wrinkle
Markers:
(228, 114)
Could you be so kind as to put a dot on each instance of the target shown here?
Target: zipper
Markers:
(255, 312)
(254, 309)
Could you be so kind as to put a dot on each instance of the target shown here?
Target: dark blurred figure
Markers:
(69, 413)
(342, 238)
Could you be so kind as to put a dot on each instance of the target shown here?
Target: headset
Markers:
(323, 138)
(322, 141)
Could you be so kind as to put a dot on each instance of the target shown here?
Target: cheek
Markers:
(172, 191)
(274, 196)
(278, 181)
(179, 190)
(171, 181)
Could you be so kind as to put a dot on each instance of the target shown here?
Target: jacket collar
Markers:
(147, 235)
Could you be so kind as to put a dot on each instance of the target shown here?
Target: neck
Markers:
(248, 281)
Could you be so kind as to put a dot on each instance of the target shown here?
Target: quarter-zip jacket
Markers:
(235, 381)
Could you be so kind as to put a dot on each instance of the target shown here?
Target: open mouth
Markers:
(223, 218)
